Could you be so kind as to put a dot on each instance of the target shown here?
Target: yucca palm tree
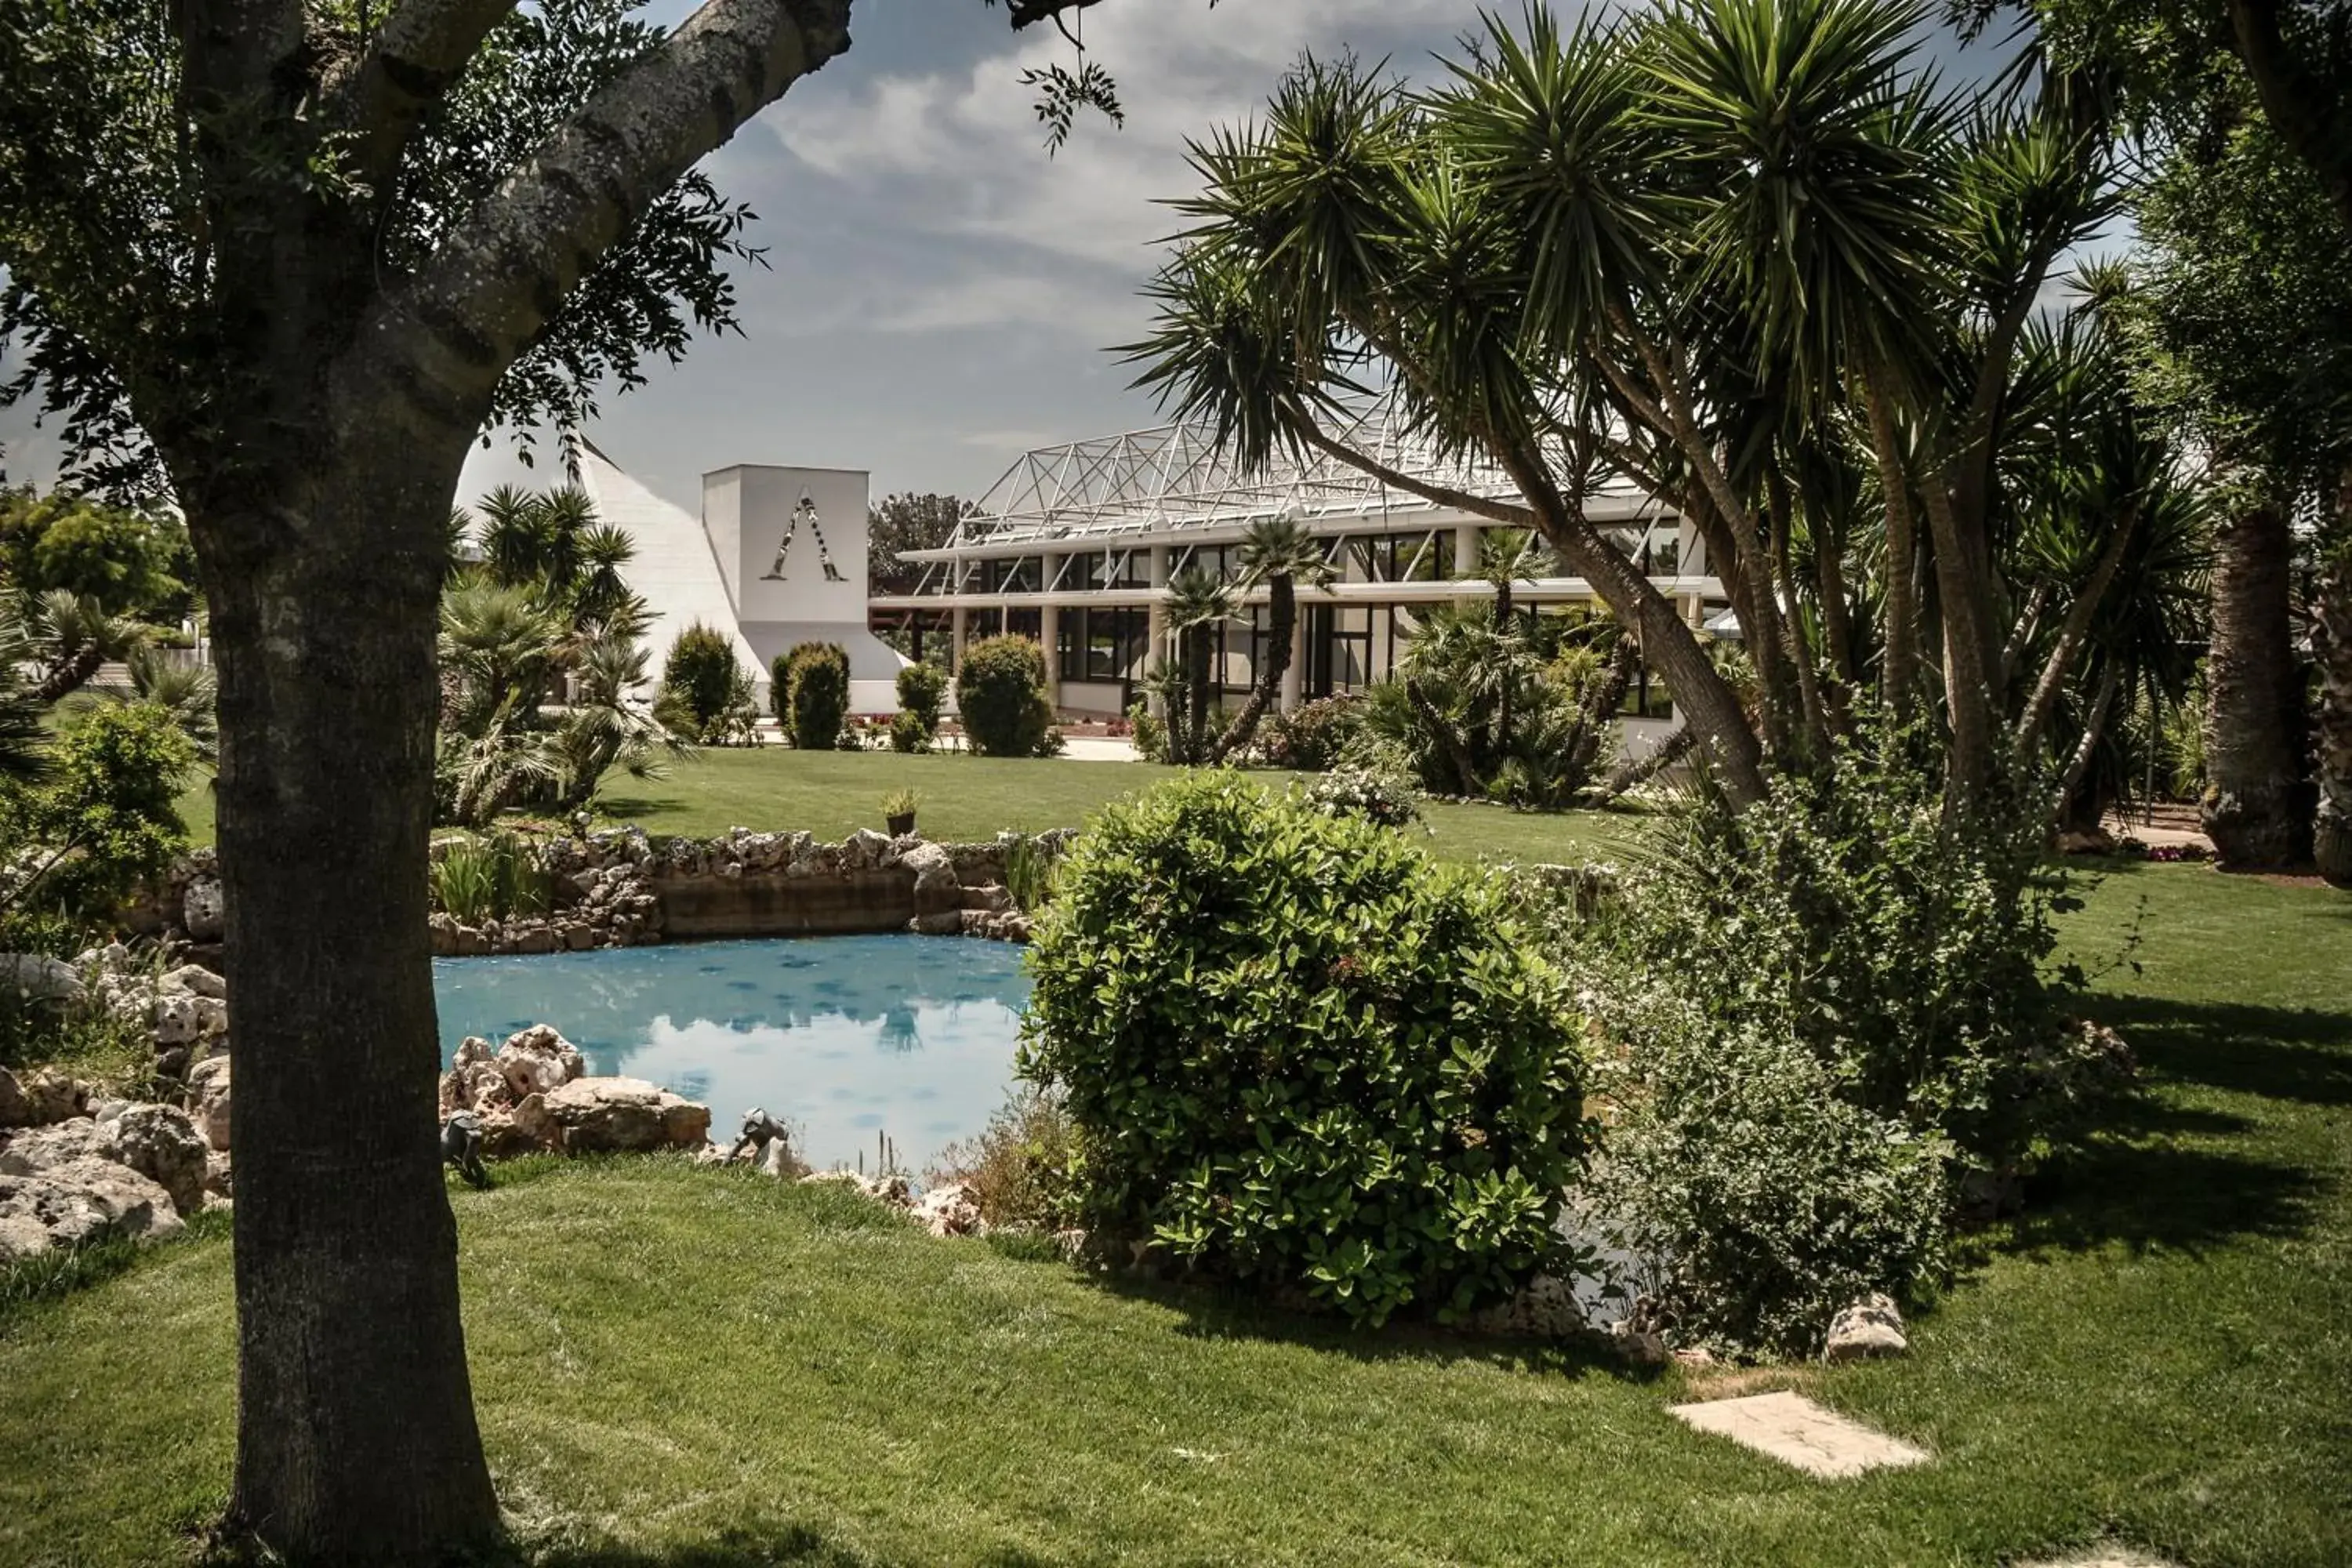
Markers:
(1198, 605)
(2332, 645)
(1280, 553)
(76, 634)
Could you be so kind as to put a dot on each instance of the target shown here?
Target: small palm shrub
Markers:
(810, 690)
(1297, 1052)
(1001, 696)
(700, 681)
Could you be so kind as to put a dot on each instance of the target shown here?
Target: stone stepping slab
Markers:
(1796, 1431)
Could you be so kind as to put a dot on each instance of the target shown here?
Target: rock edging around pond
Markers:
(621, 888)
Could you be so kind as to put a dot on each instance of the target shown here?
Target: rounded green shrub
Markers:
(809, 689)
(1297, 1052)
(700, 677)
(922, 688)
(1000, 696)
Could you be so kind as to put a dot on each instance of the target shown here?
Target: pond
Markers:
(841, 1037)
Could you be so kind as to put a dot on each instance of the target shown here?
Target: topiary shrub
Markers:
(809, 690)
(700, 678)
(1000, 696)
(1297, 1052)
(922, 688)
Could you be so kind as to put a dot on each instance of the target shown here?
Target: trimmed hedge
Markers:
(809, 690)
(1000, 696)
(1297, 1051)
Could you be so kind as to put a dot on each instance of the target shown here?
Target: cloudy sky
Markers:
(941, 292)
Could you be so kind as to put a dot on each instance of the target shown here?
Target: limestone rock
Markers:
(946, 922)
(607, 1115)
(36, 977)
(44, 1098)
(188, 1018)
(197, 979)
(1545, 1309)
(1871, 1327)
(1643, 1347)
(219, 1178)
(162, 1144)
(538, 1060)
(202, 910)
(75, 1201)
(208, 1100)
(950, 1209)
(936, 887)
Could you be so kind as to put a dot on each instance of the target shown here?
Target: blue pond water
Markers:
(839, 1036)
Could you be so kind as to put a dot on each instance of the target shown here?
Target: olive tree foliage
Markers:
(111, 179)
(1748, 255)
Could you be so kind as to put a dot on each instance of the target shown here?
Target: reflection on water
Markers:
(839, 1036)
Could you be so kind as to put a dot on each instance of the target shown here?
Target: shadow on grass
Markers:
(622, 809)
(2163, 1196)
(1213, 1311)
(757, 1545)
(2279, 1052)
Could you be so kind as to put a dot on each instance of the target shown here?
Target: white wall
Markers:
(769, 499)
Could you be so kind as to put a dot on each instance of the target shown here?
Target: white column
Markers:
(1049, 629)
(955, 639)
(1465, 549)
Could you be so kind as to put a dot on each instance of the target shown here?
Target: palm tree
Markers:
(77, 636)
(188, 692)
(604, 729)
(1198, 605)
(501, 643)
(1278, 552)
(2332, 643)
(1503, 563)
(2256, 808)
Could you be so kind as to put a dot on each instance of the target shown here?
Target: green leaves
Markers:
(1299, 1054)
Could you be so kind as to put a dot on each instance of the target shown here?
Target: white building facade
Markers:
(778, 557)
(1077, 544)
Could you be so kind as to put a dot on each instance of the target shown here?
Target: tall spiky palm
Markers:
(1198, 603)
(77, 636)
(2332, 645)
(1280, 553)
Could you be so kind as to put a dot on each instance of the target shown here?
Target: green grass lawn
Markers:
(834, 794)
(679, 1367)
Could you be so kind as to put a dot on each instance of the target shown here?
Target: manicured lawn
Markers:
(834, 794)
(677, 1366)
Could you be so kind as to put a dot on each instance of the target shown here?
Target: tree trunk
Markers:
(71, 675)
(1967, 661)
(2255, 806)
(356, 1438)
(2332, 643)
(1282, 617)
(1901, 671)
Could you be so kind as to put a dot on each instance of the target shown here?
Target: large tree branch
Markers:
(453, 329)
(420, 50)
(2309, 112)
